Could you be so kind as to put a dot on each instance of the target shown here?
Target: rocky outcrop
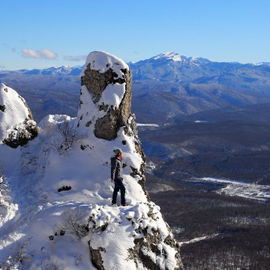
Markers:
(105, 102)
(105, 113)
(150, 245)
(116, 76)
(96, 257)
(21, 134)
(153, 244)
(17, 125)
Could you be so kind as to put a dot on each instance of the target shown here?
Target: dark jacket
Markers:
(116, 168)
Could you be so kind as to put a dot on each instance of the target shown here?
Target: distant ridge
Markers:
(168, 55)
(171, 84)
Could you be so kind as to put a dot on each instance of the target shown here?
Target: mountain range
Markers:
(172, 85)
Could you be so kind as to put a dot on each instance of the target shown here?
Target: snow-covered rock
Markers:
(105, 95)
(17, 125)
(59, 193)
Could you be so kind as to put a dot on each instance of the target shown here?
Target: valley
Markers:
(211, 179)
(216, 230)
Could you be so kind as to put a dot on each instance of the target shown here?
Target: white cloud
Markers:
(45, 53)
(28, 53)
(75, 58)
(39, 54)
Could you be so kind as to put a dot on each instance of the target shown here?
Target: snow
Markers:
(102, 61)
(198, 239)
(161, 188)
(178, 230)
(147, 125)
(66, 155)
(170, 55)
(244, 220)
(88, 173)
(113, 95)
(200, 121)
(150, 167)
(239, 189)
(176, 57)
(15, 111)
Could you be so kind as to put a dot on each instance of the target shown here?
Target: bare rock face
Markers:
(108, 126)
(17, 125)
(96, 82)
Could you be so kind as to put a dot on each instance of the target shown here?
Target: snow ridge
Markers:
(175, 57)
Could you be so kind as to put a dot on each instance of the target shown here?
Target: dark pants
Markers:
(118, 185)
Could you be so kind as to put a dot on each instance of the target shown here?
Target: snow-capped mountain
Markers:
(176, 57)
(56, 210)
(263, 63)
(175, 86)
(54, 71)
(173, 67)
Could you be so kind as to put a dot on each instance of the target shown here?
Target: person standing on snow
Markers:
(117, 177)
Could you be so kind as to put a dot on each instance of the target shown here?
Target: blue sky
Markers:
(38, 34)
